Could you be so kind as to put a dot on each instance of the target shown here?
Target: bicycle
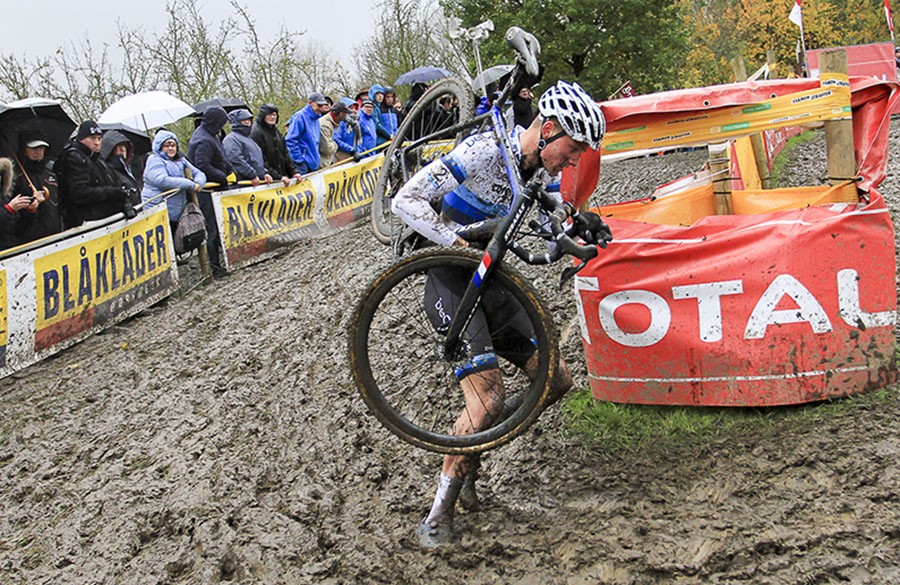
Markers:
(424, 136)
(403, 362)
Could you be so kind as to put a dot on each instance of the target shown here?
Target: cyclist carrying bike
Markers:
(471, 185)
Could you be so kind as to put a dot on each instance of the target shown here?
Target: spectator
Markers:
(242, 152)
(87, 189)
(417, 90)
(10, 211)
(389, 114)
(167, 168)
(376, 94)
(348, 134)
(367, 127)
(117, 152)
(328, 139)
(523, 113)
(206, 152)
(36, 179)
(302, 138)
(275, 155)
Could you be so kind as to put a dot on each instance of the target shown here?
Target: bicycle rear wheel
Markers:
(397, 362)
(400, 162)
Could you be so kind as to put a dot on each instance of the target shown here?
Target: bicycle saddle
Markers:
(527, 49)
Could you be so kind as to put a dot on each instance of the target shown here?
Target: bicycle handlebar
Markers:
(558, 234)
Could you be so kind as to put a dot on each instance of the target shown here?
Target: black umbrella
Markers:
(141, 141)
(41, 115)
(228, 104)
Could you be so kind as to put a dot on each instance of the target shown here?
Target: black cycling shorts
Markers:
(499, 326)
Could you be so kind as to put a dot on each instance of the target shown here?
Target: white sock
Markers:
(447, 486)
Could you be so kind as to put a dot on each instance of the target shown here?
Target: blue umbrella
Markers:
(423, 75)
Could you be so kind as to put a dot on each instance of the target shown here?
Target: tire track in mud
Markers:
(218, 438)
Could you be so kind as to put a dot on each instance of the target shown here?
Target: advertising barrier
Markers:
(56, 295)
(254, 222)
(742, 310)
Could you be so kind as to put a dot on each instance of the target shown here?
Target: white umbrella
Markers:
(146, 110)
(490, 75)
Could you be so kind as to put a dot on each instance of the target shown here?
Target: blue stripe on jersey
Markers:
(456, 169)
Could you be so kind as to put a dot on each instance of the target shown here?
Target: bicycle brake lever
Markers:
(571, 271)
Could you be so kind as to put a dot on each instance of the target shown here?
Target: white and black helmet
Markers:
(577, 112)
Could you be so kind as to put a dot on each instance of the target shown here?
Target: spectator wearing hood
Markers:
(36, 179)
(276, 158)
(205, 148)
(330, 137)
(242, 152)
(367, 125)
(167, 168)
(348, 134)
(376, 94)
(12, 206)
(87, 188)
(206, 152)
(418, 89)
(389, 114)
(303, 133)
(117, 152)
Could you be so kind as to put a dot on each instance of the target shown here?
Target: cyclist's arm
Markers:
(413, 202)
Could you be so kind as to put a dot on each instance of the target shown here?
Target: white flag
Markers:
(796, 15)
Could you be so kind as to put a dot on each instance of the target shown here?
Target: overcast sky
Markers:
(37, 27)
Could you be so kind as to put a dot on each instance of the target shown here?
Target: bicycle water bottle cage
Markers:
(527, 49)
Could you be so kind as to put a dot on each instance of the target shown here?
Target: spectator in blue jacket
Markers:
(376, 94)
(243, 152)
(303, 133)
(348, 134)
(167, 168)
(367, 126)
(391, 112)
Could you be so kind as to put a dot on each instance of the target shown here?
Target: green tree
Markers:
(599, 43)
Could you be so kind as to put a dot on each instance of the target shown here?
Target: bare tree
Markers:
(407, 34)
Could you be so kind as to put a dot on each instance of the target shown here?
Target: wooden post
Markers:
(838, 133)
(756, 141)
(205, 268)
(721, 171)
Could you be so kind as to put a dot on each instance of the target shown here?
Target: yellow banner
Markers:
(250, 217)
(351, 187)
(4, 311)
(75, 279)
(831, 101)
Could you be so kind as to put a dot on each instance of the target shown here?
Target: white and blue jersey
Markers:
(470, 182)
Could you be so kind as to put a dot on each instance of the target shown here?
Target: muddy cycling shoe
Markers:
(436, 532)
(468, 497)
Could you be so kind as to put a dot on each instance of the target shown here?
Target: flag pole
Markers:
(803, 44)
(887, 15)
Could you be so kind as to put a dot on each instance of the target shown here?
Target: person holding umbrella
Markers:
(87, 188)
(36, 181)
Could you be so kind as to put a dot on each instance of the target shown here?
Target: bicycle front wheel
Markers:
(426, 117)
(396, 354)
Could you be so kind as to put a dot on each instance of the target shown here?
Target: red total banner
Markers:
(783, 308)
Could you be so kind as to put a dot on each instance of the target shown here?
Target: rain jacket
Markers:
(275, 154)
(120, 166)
(242, 152)
(367, 125)
(46, 220)
(206, 151)
(163, 174)
(382, 134)
(302, 138)
(87, 188)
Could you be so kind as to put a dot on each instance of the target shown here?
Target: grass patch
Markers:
(786, 156)
(619, 427)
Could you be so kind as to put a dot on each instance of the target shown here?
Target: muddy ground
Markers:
(218, 439)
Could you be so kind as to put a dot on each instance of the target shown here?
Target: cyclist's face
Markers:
(561, 153)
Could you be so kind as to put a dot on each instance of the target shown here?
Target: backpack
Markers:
(191, 230)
